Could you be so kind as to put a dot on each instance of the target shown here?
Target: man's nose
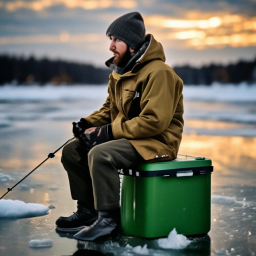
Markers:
(112, 45)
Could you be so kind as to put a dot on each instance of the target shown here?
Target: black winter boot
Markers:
(106, 223)
(82, 218)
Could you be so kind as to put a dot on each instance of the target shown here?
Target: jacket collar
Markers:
(131, 63)
(150, 50)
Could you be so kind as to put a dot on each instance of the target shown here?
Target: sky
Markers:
(194, 32)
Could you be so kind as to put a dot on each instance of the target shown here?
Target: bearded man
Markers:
(140, 121)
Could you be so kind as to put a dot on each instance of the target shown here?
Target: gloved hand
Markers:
(80, 127)
(100, 135)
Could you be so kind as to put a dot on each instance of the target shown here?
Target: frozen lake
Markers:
(220, 123)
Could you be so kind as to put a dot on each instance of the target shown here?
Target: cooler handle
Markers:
(184, 173)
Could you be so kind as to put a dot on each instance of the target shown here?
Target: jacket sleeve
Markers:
(158, 103)
(102, 116)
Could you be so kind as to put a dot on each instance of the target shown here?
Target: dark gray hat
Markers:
(128, 28)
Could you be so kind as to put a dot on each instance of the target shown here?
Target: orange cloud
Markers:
(234, 40)
(212, 30)
(39, 5)
(203, 24)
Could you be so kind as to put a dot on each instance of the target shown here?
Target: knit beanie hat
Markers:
(128, 28)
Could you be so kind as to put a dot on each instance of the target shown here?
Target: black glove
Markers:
(104, 136)
(80, 127)
(85, 140)
(93, 139)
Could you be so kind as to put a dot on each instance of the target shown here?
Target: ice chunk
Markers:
(40, 243)
(174, 241)
(141, 250)
(225, 200)
(5, 177)
(19, 209)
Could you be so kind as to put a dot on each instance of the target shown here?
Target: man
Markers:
(141, 120)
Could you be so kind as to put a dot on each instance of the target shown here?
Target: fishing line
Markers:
(50, 155)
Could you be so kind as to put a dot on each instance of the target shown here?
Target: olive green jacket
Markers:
(156, 131)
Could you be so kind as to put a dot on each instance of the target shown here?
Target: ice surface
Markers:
(40, 243)
(51, 92)
(229, 103)
(174, 241)
(141, 250)
(5, 177)
(229, 201)
(221, 252)
(19, 209)
(216, 92)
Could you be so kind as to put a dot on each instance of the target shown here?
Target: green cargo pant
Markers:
(93, 177)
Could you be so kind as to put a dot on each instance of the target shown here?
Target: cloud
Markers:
(210, 30)
(75, 29)
(39, 5)
(196, 29)
(181, 7)
(63, 37)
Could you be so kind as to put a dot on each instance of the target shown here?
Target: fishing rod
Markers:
(50, 155)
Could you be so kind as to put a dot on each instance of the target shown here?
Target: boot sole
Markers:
(70, 230)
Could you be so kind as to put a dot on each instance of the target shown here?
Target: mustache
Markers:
(115, 52)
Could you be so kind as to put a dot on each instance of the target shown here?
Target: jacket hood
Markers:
(150, 50)
(154, 51)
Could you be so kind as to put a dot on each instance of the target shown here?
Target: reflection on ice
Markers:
(231, 201)
(221, 252)
(5, 178)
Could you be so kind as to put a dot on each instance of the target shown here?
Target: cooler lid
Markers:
(184, 165)
(182, 161)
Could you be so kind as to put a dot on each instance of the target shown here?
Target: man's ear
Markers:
(131, 50)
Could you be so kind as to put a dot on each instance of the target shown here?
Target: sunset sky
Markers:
(194, 32)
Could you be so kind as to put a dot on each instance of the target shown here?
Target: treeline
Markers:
(242, 71)
(27, 71)
(21, 70)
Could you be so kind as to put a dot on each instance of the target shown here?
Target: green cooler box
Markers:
(158, 197)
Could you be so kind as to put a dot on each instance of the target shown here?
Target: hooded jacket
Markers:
(145, 105)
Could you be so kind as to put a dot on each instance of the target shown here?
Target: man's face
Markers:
(121, 51)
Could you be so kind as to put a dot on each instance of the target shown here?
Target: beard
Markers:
(121, 60)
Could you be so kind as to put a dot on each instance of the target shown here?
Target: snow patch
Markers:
(52, 93)
(229, 201)
(141, 250)
(19, 209)
(174, 241)
(40, 243)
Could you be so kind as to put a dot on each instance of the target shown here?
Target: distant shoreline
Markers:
(27, 71)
